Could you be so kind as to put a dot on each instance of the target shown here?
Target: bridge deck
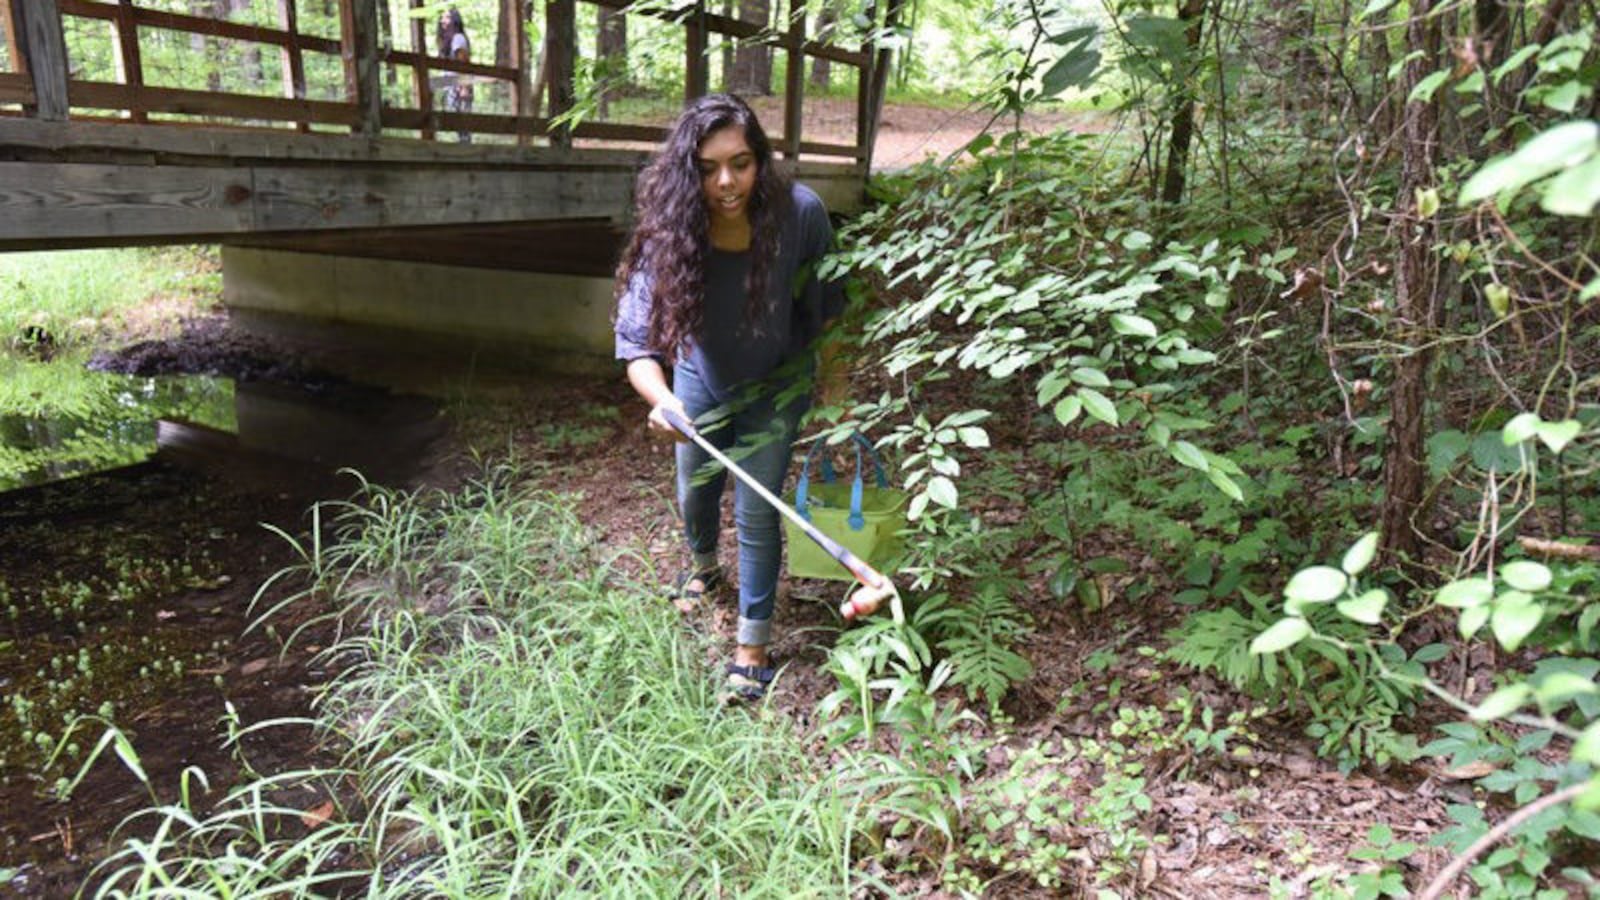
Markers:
(105, 158)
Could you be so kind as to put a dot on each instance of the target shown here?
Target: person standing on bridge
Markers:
(453, 44)
(718, 283)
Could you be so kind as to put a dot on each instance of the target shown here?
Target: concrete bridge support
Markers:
(549, 321)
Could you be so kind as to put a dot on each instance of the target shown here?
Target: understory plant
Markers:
(507, 721)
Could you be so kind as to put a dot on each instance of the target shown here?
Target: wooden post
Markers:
(294, 69)
(880, 82)
(43, 56)
(794, 79)
(864, 124)
(521, 91)
(419, 46)
(697, 73)
(561, 30)
(13, 25)
(129, 68)
(358, 39)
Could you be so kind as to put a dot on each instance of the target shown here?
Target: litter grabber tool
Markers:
(875, 588)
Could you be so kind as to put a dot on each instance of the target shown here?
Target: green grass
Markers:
(68, 292)
(517, 718)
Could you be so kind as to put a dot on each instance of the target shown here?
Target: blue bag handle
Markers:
(802, 487)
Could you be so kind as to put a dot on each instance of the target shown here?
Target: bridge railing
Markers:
(352, 82)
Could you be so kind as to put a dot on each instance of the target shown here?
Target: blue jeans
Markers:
(759, 436)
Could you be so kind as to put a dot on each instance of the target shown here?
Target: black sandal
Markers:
(748, 684)
(710, 581)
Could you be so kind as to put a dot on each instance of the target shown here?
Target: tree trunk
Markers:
(611, 49)
(1415, 305)
(1192, 14)
(752, 61)
(822, 67)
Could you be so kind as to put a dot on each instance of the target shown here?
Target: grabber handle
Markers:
(874, 587)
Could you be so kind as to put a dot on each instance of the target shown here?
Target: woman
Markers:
(717, 282)
(453, 43)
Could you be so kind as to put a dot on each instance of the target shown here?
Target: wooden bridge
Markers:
(333, 142)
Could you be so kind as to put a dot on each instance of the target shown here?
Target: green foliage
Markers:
(977, 636)
(509, 722)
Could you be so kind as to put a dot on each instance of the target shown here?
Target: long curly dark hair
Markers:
(672, 230)
(449, 24)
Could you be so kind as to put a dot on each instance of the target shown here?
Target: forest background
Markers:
(1293, 363)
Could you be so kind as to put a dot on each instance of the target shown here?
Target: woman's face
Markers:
(727, 173)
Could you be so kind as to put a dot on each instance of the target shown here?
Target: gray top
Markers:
(727, 353)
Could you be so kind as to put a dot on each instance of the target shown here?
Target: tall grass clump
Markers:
(517, 718)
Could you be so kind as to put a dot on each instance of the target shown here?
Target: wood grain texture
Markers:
(58, 204)
(44, 48)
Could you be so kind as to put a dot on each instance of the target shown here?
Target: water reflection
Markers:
(75, 421)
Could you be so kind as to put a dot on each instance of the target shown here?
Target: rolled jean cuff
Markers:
(755, 632)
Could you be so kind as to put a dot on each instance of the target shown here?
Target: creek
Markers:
(132, 551)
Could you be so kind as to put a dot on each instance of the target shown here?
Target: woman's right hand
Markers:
(658, 423)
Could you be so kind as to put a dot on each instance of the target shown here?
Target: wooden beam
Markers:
(561, 28)
(111, 95)
(294, 66)
(697, 73)
(54, 203)
(44, 57)
(127, 31)
(522, 88)
(210, 144)
(187, 24)
(424, 89)
(794, 79)
(16, 87)
(358, 40)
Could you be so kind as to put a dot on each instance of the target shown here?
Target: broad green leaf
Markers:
(942, 491)
(973, 437)
(1590, 290)
(1465, 593)
(1051, 386)
(1521, 427)
(1575, 191)
(1472, 620)
(1190, 455)
(1374, 7)
(1586, 749)
(1136, 240)
(1068, 409)
(1548, 152)
(1560, 687)
(1526, 575)
(1281, 636)
(1225, 484)
(1427, 200)
(1130, 324)
(1563, 97)
(1499, 297)
(1096, 404)
(1426, 88)
(1502, 702)
(1075, 68)
(1089, 377)
(1557, 435)
(1367, 608)
(1318, 584)
(1360, 554)
(1515, 616)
